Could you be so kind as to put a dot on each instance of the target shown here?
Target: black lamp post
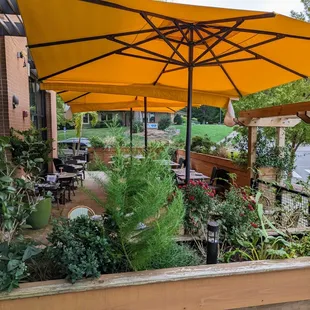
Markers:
(212, 242)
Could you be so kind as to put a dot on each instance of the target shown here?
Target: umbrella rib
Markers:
(147, 58)
(182, 32)
(61, 92)
(263, 57)
(144, 50)
(210, 36)
(101, 57)
(208, 63)
(124, 8)
(85, 39)
(78, 97)
(163, 37)
(171, 57)
(171, 110)
(221, 66)
(174, 69)
(220, 38)
(232, 19)
(250, 46)
(256, 31)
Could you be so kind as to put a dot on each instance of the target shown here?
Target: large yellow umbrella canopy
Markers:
(146, 42)
(156, 49)
(84, 102)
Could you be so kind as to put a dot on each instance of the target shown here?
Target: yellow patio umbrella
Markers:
(153, 48)
(85, 102)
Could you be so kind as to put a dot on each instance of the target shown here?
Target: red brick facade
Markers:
(14, 81)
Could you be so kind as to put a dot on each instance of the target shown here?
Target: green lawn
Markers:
(215, 132)
(87, 133)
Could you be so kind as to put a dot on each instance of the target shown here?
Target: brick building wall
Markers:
(4, 113)
(17, 82)
(14, 80)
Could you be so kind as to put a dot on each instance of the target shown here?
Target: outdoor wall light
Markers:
(20, 55)
(25, 114)
(15, 101)
(212, 242)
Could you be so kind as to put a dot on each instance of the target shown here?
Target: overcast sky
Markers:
(278, 6)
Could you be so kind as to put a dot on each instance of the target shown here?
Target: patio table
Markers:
(168, 163)
(182, 171)
(77, 167)
(193, 176)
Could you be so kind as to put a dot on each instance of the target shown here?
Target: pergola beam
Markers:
(282, 110)
(278, 122)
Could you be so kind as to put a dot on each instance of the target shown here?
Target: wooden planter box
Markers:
(204, 163)
(106, 154)
(268, 174)
(282, 284)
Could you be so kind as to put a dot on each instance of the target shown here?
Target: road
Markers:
(302, 170)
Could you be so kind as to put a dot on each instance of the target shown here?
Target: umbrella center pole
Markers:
(131, 131)
(145, 125)
(189, 110)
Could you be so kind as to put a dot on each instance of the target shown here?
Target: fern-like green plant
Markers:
(141, 191)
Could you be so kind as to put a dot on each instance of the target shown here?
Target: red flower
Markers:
(241, 214)
(250, 207)
(191, 198)
(254, 225)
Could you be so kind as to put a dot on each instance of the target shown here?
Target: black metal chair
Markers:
(219, 180)
(182, 163)
(57, 163)
(70, 169)
(81, 171)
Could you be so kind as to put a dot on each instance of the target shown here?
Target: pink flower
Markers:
(191, 198)
(254, 225)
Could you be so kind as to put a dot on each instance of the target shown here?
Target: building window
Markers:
(86, 119)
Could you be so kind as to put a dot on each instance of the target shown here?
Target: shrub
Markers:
(137, 126)
(199, 202)
(237, 214)
(202, 144)
(178, 119)
(141, 191)
(175, 255)
(13, 260)
(164, 123)
(81, 248)
(97, 142)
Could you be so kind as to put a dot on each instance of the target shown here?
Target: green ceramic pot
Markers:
(40, 218)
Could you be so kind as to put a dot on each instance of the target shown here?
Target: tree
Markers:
(289, 93)
(305, 15)
(60, 110)
(206, 114)
(78, 124)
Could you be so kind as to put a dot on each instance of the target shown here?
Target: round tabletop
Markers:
(66, 175)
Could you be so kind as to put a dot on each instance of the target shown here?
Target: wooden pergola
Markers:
(280, 117)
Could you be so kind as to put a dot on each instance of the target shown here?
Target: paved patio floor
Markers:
(81, 197)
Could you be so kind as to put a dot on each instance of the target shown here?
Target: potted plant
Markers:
(40, 217)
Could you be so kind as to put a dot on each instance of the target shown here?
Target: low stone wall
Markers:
(204, 163)
(282, 284)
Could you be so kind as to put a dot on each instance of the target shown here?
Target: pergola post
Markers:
(281, 137)
(252, 139)
(145, 125)
(189, 108)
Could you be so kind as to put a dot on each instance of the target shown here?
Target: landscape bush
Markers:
(164, 123)
(178, 119)
(137, 126)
